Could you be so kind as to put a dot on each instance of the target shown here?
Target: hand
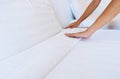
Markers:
(73, 25)
(84, 34)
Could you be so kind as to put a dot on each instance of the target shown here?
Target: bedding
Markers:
(63, 11)
(24, 23)
(94, 58)
(37, 61)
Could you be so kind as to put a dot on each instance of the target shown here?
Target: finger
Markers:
(72, 35)
(67, 34)
(68, 27)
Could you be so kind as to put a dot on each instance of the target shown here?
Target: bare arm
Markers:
(92, 6)
(110, 12)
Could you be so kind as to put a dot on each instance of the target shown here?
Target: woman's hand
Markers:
(73, 25)
(85, 34)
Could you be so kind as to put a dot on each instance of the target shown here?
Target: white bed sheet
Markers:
(36, 62)
(95, 58)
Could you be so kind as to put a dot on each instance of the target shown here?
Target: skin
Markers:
(112, 10)
(92, 6)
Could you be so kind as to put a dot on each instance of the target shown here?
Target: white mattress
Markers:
(36, 62)
(95, 58)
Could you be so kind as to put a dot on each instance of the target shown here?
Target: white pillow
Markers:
(63, 11)
(79, 6)
(25, 23)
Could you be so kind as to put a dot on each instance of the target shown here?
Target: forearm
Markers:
(110, 12)
(92, 6)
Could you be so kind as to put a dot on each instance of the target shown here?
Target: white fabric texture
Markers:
(95, 58)
(24, 23)
(63, 11)
(38, 61)
(79, 6)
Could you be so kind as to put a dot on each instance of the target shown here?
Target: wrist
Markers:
(79, 21)
(90, 31)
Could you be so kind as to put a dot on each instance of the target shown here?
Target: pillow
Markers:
(63, 11)
(79, 6)
(24, 23)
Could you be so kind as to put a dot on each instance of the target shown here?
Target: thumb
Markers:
(69, 26)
